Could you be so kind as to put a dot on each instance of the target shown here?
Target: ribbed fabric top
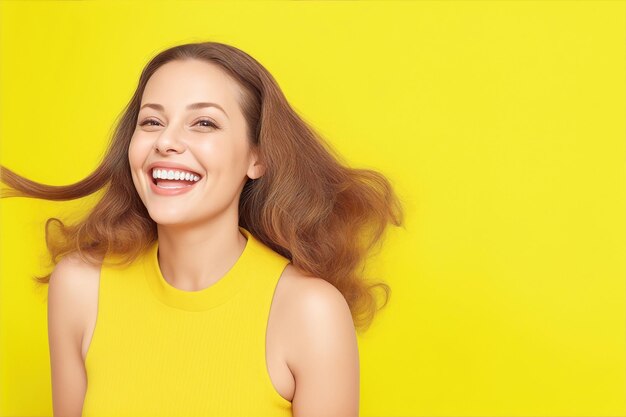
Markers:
(161, 351)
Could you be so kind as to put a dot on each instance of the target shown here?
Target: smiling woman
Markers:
(220, 272)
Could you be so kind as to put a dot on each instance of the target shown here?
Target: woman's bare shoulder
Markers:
(308, 301)
(320, 345)
(73, 287)
(72, 271)
(299, 285)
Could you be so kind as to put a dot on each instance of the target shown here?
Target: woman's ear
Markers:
(256, 168)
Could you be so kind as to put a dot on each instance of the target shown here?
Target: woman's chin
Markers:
(169, 218)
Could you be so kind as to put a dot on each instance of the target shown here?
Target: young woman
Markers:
(219, 273)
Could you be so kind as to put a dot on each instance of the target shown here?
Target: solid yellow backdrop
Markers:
(501, 124)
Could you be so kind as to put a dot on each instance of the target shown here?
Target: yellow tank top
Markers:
(161, 351)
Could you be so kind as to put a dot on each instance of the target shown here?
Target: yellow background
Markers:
(500, 123)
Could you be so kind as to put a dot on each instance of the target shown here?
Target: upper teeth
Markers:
(174, 175)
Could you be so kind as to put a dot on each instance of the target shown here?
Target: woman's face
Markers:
(206, 140)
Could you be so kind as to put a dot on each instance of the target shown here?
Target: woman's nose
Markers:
(168, 140)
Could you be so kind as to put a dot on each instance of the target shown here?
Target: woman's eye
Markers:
(145, 122)
(208, 123)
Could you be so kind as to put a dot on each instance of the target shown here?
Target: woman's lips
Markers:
(186, 186)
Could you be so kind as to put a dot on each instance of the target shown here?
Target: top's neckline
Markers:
(206, 298)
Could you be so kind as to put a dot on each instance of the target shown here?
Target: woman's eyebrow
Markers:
(192, 106)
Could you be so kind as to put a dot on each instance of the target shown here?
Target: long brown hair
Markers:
(309, 206)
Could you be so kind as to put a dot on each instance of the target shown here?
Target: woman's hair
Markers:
(308, 206)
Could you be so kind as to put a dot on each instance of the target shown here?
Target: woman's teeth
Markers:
(174, 175)
(172, 179)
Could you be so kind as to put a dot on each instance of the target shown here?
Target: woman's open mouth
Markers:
(172, 186)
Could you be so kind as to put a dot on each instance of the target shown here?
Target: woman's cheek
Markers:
(135, 152)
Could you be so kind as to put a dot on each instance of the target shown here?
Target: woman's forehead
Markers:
(178, 84)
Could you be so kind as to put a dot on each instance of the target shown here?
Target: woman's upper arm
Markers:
(323, 353)
(66, 322)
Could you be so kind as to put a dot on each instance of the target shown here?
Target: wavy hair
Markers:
(309, 206)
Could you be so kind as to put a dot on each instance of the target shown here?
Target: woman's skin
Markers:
(311, 347)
